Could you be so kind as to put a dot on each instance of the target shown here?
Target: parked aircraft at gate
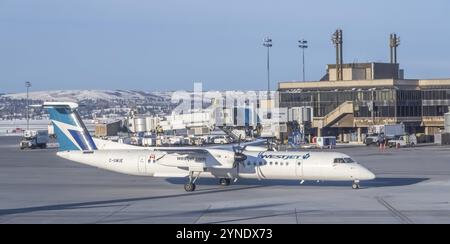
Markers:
(77, 145)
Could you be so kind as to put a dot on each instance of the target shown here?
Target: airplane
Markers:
(76, 144)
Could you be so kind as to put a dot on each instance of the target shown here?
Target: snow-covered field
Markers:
(7, 127)
(79, 95)
(109, 95)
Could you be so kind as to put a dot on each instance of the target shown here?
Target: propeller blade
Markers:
(239, 141)
(239, 157)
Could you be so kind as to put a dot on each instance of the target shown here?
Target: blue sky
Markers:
(169, 44)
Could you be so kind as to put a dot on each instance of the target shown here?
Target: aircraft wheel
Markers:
(355, 186)
(189, 187)
(224, 182)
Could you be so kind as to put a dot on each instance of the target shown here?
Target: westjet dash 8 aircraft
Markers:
(77, 145)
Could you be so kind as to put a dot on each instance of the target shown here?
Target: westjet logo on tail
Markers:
(75, 135)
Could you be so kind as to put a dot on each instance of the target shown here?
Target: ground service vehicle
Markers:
(34, 139)
(403, 141)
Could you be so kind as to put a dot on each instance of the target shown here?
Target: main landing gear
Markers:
(356, 185)
(224, 181)
(190, 185)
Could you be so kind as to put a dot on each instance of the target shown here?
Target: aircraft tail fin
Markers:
(70, 131)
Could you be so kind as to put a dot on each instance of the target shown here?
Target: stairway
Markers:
(230, 132)
(332, 117)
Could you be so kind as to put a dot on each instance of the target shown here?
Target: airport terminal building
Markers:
(346, 104)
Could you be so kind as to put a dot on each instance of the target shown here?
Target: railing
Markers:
(341, 110)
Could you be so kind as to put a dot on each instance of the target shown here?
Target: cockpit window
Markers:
(349, 160)
(339, 161)
(343, 161)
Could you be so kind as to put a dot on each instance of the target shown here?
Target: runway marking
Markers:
(111, 214)
(203, 213)
(250, 218)
(396, 213)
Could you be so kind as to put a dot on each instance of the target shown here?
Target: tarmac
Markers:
(412, 186)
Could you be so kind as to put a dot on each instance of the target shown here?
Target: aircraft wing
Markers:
(230, 146)
(196, 159)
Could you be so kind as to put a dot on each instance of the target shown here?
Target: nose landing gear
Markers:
(356, 185)
(190, 185)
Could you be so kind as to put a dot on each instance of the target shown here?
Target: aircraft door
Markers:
(142, 164)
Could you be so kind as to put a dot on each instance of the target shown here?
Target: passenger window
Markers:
(276, 163)
(271, 163)
(287, 164)
(281, 164)
(260, 163)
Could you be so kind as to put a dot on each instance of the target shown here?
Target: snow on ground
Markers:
(79, 95)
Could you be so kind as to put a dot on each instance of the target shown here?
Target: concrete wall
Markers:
(447, 122)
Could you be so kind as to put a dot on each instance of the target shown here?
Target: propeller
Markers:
(239, 156)
(270, 145)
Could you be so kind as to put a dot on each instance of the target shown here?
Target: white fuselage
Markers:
(219, 164)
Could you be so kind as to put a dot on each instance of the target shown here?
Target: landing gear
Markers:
(190, 185)
(224, 181)
(356, 185)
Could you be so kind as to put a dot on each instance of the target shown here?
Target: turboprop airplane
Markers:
(77, 145)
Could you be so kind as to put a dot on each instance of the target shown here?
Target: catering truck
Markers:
(393, 131)
(382, 133)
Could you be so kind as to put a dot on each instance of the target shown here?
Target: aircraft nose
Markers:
(365, 174)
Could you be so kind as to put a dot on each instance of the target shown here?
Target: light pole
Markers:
(268, 43)
(28, 85)
(337, 39)
(394, 43)
(303, 45)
